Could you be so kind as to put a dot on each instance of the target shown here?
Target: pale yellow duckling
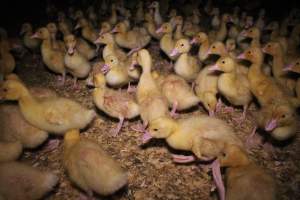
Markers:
(157, 17)
(20, 181)
(90, 167)
(295, 67)
(105, 27)
(152, 103)
(87, 30)
(115, 103)
(202, 39)
(134, 39)
(10, 151)
(178, 34)
(233, 86)
(208, 138)
(167, 43)
(56, 44)
(113, 15)
(189, 29)
(54, 114)
(186, 65)
(184, 96)
(206, 88)
(31, 43)
(54, 59)
(254, 33)
(76, 64)
(151, 27)
(7, 61)
(111, 48)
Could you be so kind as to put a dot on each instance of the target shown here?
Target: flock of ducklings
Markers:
(188, 81)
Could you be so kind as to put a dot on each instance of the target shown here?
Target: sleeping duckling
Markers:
(206, 88)
(90, 167)
(249, 182)
(184, 96)
(115, 103)
(56, 44)
(134, 39)
(10, 151)
(208, 138)
(186, 65)
(235, 87)
(152, 103)
(20, 181)
(167, 43)
(55, 115)
(54, 59)
(75, 63)
(111, 47)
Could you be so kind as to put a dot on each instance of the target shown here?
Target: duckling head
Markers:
(181, 46)
(162, 127)
(42, 33)
(251, 33)
(210, 103)
(230, 44)
(26, 27)
(70, 42)
(199, 38)
(12, 76)
(154, 4)
(111, 61)
(165, 28)
(82, 22)
(254, 55)
(224, 64)
(121, 27)
(52, 28)
(272, 48)
(12, 90)
(294, 66)
(217, 48)
(105, 38)
(105, 27)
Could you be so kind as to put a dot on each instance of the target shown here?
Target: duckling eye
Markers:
(269, 45)
(249, 52)
(213, 47)
(111, 60)
(223, 62)
(155, 129)
(250, 31)
(297, 63)
(283, 116)
(5, 90)
(102, 37)
(182, 45)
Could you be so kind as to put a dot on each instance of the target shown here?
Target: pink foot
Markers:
(249, 140)
(173, 111)
(182, 158)
(217, 176)
(139, 127)
(219, 105)
(52, 144)
(131, 89)
(119, 127)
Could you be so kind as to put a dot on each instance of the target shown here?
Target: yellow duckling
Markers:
(134, 39)
(31, 43)
(202, 39)
(87, 30)
(105, 27)
(152, 103)
(55, 114)
(167, 43)
(19, 181)
(56, 44)
(184, 97)
(54, 59)
(7, 61)
(90, 167)
(186, 65)
(111, 47)
(75, 63)
(235, 87)
(151, 27)
(116, 103)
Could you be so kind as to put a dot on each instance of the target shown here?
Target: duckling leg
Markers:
(133, 50)
(174, 108)
(218, 178)
(242, 118)
(120, 124)
(182, 158)
(131, 89)
(62, 79)
(249, 140)
(75, 85)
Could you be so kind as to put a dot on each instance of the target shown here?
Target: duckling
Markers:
(253, 33)
(157, 17)
(32, 44)
(203, 40)
(178, 30)
(276, 51)
(115, 103)
(19, 181)
(235, 87)
(10, 151)
(207, 137)
(55, 115)
(167, 43)
(53, 59)
(189, 29)
(87, 30)
(215, 21)
(230, 46)
(64, 23)
(186, 65)
(222, 32)
(151, 27)
(75, 63)
(113, 15)
(7, 61)
(14, 128)
(56, 44)
(184, 97)
(249, 182)
(206, 88)
(90, 167)
(295, 67)
(133, 39)
(152, 103)
(111, 47)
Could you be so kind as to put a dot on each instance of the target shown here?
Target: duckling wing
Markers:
(54, 117)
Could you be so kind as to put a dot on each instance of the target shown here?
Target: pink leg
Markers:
(217, 176)
(62, 79)
(133, 50)
(75, 85)
(140, 127)
(182, 158)
(170, 66)
(219, 105)
(241, 119)
(120, 124)
(211, 113)
(52, 144)
(249, 139)
(173, 111)
(131, 89)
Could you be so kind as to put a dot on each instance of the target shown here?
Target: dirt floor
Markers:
(152, 174)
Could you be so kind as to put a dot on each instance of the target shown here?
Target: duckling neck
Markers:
(203, 49)
(69, 143)
(26, 98)
(255, 42)
(146, 68)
